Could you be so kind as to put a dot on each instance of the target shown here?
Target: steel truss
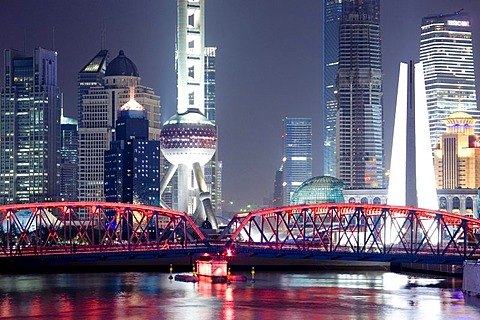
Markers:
(360, 232)
(77, 227)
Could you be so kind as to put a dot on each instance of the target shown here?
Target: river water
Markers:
(273, 295)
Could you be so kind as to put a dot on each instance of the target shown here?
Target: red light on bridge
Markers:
(229, 252)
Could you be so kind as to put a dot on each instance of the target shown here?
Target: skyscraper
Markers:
(332, 11)
(213, 169)
(69, 159)
(90, 76)
(210, 68)
(457, 155)
(30, 127)
(360, 162)
(132, 164)
(447, 57)
(297, 152)
(100, 106)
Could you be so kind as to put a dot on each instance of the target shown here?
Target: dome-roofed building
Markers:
(322, 189)
(121, 66)
(102, 104)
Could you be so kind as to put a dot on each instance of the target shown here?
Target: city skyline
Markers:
(269, 64)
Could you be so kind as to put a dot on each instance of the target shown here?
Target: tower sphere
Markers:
(188, 137)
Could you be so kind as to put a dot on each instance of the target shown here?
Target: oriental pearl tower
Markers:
(188, 138)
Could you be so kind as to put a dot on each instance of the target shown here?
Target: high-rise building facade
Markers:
(91, 76)
(210, 68)
(332, 11)
(213, 169)
(100, 106)
(457, 155)
(69, 159)
(359, 145)
(132, 164)
(30, 128)
(297, 152)
(447, 57)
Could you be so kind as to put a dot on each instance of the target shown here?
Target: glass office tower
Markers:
(447, 57)
(69, 159)
(297, 153)
(132, 164)
(360, 158)
(332, 10)
(30, 127)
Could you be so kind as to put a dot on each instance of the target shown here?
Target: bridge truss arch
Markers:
(76, 227)
(356, 232)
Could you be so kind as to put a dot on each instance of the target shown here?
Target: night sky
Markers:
(269, 64)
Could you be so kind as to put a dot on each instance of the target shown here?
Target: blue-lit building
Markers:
(99, 103)
(132, 164)
(359, 144)
(297, 153)
(332, 11)
(69, 159)
(30, 128)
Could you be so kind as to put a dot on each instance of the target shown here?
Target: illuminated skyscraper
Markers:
(360, 162)
(132, 164)
(69, 159)
(457, 156)
(297, 153)
(213, 169)
(210, 68)
(447, 57)
(90, 76)
(30, 128)
(100, 106)
(332, 11)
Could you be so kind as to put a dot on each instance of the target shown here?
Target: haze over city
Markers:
(269, 64)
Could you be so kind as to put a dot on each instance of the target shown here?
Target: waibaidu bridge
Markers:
(39, 235)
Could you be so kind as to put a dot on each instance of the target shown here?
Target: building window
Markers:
(443, 203)
(456, 205)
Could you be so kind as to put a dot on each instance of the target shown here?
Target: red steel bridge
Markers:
(101, 231)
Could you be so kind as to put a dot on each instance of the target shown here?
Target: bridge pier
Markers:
(428, 268)
(471, 278)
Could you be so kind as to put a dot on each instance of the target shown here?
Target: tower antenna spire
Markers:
(103, 35)
(25, 39)
(53, 38)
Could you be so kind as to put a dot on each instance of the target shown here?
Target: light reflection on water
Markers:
(274, 295)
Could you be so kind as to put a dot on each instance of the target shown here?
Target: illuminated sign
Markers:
(458, 23)
(473, 143)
